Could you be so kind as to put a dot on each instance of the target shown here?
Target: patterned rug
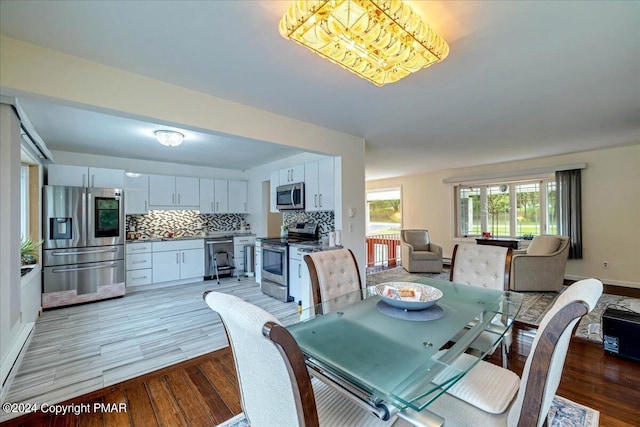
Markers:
(534, 305)
(563, 413)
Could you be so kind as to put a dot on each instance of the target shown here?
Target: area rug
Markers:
(563, 413)
(590, 326)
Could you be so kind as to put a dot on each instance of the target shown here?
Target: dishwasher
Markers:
(212, 246)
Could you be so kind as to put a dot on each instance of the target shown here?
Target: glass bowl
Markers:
(428, 295)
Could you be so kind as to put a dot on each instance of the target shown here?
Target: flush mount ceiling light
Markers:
(379, 40)
(169, 138)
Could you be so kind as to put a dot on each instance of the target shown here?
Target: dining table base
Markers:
(424, 418)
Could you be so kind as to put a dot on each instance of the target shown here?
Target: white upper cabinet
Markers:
(187, 191)
(136, 194)
(291, 175)
(82, 176)
(162, 190)
(238, 196)
(174, 191)
(319, 182)
(207, 200)
(221, 196)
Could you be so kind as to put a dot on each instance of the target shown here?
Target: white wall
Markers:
(32, 71)
(610, 208)
(10, 289)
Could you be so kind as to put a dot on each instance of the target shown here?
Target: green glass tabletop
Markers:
(404, 362)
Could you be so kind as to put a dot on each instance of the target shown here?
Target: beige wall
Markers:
(610, 207)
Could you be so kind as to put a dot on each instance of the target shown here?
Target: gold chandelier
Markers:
(379, 40)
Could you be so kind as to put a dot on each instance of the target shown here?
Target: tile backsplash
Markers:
(181, 223)
(324, 219)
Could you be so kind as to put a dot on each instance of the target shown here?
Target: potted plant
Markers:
(29, 251)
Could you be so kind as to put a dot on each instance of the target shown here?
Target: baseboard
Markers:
(11, 364)
(613, 287)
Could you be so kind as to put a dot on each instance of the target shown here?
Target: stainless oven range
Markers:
(275, 259)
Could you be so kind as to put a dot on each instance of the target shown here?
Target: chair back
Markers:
(274, 390)
(333, 273)
(419, 239)
(481, 265)
(543, 368)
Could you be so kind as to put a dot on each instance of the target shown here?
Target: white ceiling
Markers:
(523, 79)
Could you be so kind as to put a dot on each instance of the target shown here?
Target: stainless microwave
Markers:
(290, 196)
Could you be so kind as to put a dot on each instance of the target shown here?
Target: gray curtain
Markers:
(569, 210)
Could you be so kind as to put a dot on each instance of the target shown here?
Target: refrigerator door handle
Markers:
(94, 251)
(95, 267)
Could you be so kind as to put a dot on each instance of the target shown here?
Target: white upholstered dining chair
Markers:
(332, 274)
(492, 396)
(275, 387)
(488, 267)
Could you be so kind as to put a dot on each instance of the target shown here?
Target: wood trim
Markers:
(297, 368)
(541, 360)
(507, 268)
(453, 262)
(313, 277)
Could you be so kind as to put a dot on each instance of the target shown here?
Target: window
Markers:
(24, 201)
(506, 209)
(384, 212)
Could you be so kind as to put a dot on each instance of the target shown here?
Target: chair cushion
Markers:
(425, 256)
(486, 386)
(543, 245)
(418, 239)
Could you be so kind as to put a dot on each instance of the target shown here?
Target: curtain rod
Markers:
(512, 174)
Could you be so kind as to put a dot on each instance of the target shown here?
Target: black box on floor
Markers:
(621, 333)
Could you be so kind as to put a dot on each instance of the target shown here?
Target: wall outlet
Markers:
(605, 264)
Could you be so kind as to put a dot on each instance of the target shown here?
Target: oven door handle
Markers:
(94, 267)
(215, 242)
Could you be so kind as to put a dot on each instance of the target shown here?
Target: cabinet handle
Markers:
(320, 200)
(138, 249)
(177, 258)
(139, 262)
(316, 200)
(288, 175)
(83, 175)
(178, 198)
(173, 198)
(211, 206)
(93, 180)
(299, 271)
(216, 206)
(139, 277)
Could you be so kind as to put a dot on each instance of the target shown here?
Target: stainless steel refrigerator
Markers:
(83, 245)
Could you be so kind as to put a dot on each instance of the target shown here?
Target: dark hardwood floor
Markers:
(204, 391)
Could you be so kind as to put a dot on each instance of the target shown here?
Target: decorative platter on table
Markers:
(408, 295)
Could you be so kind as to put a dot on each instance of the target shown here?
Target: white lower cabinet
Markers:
(299, 281)
(138, 262)
(178, 260)
(258, 262)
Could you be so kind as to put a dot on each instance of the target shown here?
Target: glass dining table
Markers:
(393, 360)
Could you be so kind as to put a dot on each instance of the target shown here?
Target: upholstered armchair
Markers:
(541, 266)
(419, 253)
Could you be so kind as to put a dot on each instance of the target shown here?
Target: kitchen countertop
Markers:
(214, 234)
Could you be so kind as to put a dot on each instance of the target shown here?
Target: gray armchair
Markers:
(541, 266)
(419, 253)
